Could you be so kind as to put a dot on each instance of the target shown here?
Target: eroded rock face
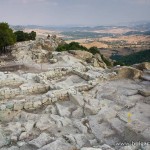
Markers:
(3, 139)
(142, 66)
(73, 106)
(128, 72)
(84, 55)
(38, 50)
(94, 60)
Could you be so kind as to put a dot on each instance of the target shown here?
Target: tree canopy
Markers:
(138, 57)
(23, 36)
(7, 37)
(70, 46)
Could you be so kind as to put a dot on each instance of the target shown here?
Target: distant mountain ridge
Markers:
(145, 26)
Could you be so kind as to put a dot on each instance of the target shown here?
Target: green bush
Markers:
(94, 50)
(70, 46)
(76, 46)
(23, 36)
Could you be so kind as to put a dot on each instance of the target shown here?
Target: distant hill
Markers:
(139, 57)
(137, 33)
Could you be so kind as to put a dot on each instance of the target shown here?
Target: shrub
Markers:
(70, 46)
(94, 50)
(23, 36)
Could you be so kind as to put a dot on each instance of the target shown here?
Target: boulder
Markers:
(61, 121)
(42, 140)
(29, 125)
(76, 98)
(84, 55)
(78, 113)
(100, 61)
(23, 136)
(145, 92)
(145, 77)
(45, 122)
(107, 113)
(90, 110)
(64, 108)
(128, 72)
(142, 66)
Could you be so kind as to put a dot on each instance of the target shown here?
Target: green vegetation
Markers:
(7, 37)
(94, 50)
(76, 46)
(23, 36)
(70, 46)
(139, 57)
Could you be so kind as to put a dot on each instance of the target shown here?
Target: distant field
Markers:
(110, 40)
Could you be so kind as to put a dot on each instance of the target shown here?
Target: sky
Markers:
(73, 12)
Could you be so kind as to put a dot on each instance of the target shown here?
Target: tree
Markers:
(32, 35)
(7, 37)
(23, 36)
(71, 46)
(94, 50)
(20, 36)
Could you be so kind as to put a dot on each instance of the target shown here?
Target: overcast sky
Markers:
(73, 12)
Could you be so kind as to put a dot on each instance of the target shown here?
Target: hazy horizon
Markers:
(70, 12)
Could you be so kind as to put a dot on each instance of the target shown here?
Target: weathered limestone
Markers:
(128, 72)
(137, 131)
(89, 148)
(142, 66)
(3, 139)
(145, 92)
(45, 122)
(29, 125)
(73, 105)
(76, 98)
(59, 144)
(79, 140)
(42, 140)
(19, 105)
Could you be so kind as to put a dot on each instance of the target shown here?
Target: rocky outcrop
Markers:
(38, 50)
(94, 60)
(128, 72)
(73, 105)
(142, 66)
(84, 55)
